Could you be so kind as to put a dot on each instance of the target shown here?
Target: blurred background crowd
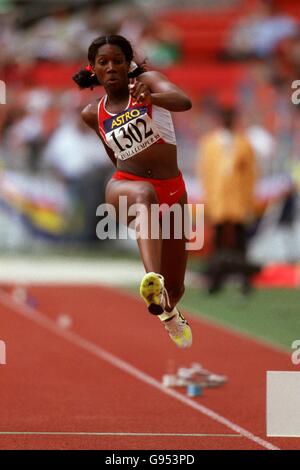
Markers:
(238, 55)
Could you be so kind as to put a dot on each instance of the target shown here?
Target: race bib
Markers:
(130, 132)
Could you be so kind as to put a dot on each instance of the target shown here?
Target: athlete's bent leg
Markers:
(173, 268)
(139, 192)
(174, 259)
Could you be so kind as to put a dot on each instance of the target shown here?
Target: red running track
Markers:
(101, 378)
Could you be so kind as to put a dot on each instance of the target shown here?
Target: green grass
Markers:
(270, 314)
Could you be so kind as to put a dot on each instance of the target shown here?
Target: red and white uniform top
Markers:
(136, 128)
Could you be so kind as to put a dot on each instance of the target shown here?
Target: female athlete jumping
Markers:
(134, 122)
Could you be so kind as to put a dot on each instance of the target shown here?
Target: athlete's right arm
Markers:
(90, 116)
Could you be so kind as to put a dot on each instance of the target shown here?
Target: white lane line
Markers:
(123, 434)
(101, 353)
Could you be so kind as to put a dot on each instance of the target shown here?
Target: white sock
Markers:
(167, 315)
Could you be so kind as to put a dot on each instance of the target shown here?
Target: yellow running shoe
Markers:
(179, 330)
(152, 290)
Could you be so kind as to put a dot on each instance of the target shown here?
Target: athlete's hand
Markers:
(139, 91)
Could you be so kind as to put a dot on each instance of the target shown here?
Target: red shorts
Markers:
(168, 191)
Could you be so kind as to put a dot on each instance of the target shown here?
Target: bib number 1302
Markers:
(133, 133)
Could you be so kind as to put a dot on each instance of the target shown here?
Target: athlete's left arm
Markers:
(156, 88)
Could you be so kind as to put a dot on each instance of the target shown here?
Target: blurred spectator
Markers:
(64, 34)
(160, 43)
(132, 23)
(24, 131)
(61, 36)
(263, 144)
(226, 168)
(77, 157)
(286, 61)
(9, 35)
(257, 34)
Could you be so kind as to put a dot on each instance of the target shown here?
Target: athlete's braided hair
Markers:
(85, 77)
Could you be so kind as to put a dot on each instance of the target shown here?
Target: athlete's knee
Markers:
(146, 194)
(175, 293)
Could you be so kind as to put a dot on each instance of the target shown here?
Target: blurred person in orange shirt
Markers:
(227, 171)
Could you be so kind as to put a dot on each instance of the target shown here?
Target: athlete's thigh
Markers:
(129, 190)
(174, 253)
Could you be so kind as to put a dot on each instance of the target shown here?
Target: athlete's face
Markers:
(111, 67)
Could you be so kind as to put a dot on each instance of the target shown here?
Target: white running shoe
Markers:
(179, 330)
(152, 290)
